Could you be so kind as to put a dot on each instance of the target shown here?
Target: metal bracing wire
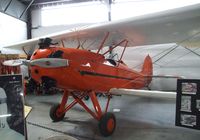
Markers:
(178, 58)
(176, 46)
(171, 49)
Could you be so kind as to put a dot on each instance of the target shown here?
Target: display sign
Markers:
(11, 108)
(188, 103)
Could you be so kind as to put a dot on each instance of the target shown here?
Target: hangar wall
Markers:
(86, 13)
(13, 26)
(46, 20)
(12, 30)
(39, 30)
(13, 8)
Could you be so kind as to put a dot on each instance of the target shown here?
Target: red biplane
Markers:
(82, 72)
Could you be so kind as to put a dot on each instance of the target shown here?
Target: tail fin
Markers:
(147, 68)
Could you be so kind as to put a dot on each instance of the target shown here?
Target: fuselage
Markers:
(86, 71)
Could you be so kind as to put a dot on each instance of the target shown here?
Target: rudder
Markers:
(147, 68)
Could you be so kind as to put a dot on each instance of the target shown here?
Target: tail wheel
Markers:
(54, 114)
(107, 124)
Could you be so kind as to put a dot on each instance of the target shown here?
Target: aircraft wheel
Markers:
(107, 124)
(54, 114)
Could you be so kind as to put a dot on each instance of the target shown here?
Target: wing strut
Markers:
(63, 44)
(126, 41)
(105, 38)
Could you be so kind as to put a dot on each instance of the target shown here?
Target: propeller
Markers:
(42, 62)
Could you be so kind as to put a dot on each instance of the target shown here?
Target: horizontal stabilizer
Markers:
(144, 93)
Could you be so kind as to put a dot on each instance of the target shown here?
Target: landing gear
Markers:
(107, 121)
(55, 114)
(107, 124)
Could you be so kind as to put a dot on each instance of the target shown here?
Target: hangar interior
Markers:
(137, 118)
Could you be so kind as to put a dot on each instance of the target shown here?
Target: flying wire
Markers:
(172, 61)
(171, 49)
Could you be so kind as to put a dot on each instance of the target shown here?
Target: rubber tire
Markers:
(104, 122)
(53, 115)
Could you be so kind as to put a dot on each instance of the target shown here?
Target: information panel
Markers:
(11, 108)
(188, 103)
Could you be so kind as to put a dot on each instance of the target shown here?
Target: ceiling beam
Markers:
(25, 10)
(8, 5)
(44, 2)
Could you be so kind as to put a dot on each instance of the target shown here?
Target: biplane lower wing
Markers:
(144, 93)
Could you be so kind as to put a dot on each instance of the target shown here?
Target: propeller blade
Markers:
(43, 62)
(49, 62)
(16, 62)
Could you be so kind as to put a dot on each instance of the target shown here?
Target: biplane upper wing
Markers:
(176, 25)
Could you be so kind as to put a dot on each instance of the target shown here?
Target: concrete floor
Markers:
(138, 118)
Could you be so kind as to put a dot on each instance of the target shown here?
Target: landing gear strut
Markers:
(107, 121)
